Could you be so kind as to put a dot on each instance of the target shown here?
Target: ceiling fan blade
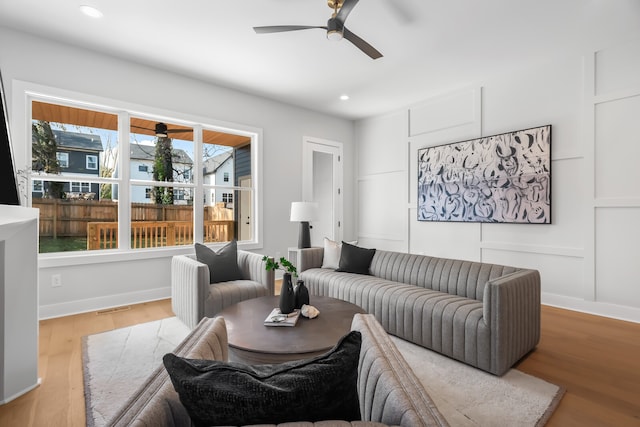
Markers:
(282, 28)
(142, 128)
(178, 130)
(361, 44)
(345, 10)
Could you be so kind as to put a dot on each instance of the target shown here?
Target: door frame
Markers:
(334, 148)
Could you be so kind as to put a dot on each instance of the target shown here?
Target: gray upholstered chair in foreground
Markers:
(193, 296)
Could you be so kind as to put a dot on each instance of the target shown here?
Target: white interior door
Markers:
(244, 214)
(322, 183)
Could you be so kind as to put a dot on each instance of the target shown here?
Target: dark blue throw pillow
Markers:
(354, 259)
(223, 264)
(229, 393)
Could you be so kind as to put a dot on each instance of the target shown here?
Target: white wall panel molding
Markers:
(534, 249)
(631, 202)
(612, 105)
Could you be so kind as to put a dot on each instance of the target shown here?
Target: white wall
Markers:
(587, 255)
(87, 283)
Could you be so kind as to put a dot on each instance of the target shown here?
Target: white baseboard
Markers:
(101, 303)
(621, 312)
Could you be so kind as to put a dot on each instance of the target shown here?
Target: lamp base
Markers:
(304, 238)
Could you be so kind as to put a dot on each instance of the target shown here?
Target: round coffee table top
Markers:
(251, 341)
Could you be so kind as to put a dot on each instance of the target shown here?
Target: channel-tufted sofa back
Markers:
(456, 277)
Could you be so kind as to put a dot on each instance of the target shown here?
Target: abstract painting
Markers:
(502, 178)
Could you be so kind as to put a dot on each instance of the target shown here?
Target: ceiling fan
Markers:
(335, 27)
(161, 130)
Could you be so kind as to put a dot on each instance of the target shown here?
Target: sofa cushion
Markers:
(332, 251)
(228, 393)
(223, 264)
(354, 259)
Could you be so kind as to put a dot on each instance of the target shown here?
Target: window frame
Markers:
(33, 92)
(59, 156)
(95, 162)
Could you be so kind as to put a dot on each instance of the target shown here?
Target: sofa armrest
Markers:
(253, 268)
(310, 258)
(388, 390)
(155, 402)
(189, 283)
(511, 308)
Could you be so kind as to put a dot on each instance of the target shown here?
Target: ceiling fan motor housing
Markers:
(161, 129)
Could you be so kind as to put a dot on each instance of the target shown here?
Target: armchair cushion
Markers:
(223, 265)
(228, 393)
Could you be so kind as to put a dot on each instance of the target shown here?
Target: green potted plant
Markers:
(287, 295)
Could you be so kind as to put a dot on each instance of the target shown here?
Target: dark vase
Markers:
(287, 297)
(302, 294)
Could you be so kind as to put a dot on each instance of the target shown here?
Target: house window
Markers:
(36, 186)
(63, 159)
(227, 197)
(80, 187)
(92, 162)
(156, 203)
(226, 177)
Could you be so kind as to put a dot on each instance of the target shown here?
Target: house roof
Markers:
(213, 163)
(77, 140)
(147, 152)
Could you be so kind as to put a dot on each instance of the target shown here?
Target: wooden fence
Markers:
(153, 234)
(70, 218)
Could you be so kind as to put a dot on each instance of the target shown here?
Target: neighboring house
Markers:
(218, 171)
(142, 159)
(78, 154)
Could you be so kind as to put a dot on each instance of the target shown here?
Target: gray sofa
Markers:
(485, 315)
(389, 393)
(193, 297)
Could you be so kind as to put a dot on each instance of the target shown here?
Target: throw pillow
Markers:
(354, 259)
(229, 393)
(223, 265)
(332, 250)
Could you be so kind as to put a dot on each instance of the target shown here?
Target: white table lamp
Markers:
(303, 212)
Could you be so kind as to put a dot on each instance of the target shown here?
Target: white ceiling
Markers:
(429, 46)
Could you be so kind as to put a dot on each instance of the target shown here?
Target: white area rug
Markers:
(117, 362)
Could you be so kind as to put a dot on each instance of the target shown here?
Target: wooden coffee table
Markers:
(252, 342)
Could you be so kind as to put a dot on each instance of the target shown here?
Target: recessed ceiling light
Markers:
(91, 11)
(344, 97)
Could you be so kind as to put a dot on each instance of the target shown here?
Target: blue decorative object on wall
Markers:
(502, 178)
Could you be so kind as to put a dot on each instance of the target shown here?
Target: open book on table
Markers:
(276, 318)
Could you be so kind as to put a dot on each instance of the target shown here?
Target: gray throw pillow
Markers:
(228, 393)
(223, 265)
(354, 259)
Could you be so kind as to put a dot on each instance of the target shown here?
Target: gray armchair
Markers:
(193, 297)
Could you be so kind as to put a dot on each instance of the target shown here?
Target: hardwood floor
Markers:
(596, 359)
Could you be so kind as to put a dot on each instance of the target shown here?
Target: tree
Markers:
(163, 170)
(44, 149)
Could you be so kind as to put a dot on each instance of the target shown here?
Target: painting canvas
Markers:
(502, 178)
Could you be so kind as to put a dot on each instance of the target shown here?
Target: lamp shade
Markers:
(303, 211)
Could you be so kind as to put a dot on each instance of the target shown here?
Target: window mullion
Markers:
(124, 188)
(198, 195)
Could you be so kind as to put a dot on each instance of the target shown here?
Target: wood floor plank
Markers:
(596, 359)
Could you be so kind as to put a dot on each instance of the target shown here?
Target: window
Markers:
(226, 177)
(37, 186)
(80, 187)
(92, 162)
(163, 175)
(63, 159)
